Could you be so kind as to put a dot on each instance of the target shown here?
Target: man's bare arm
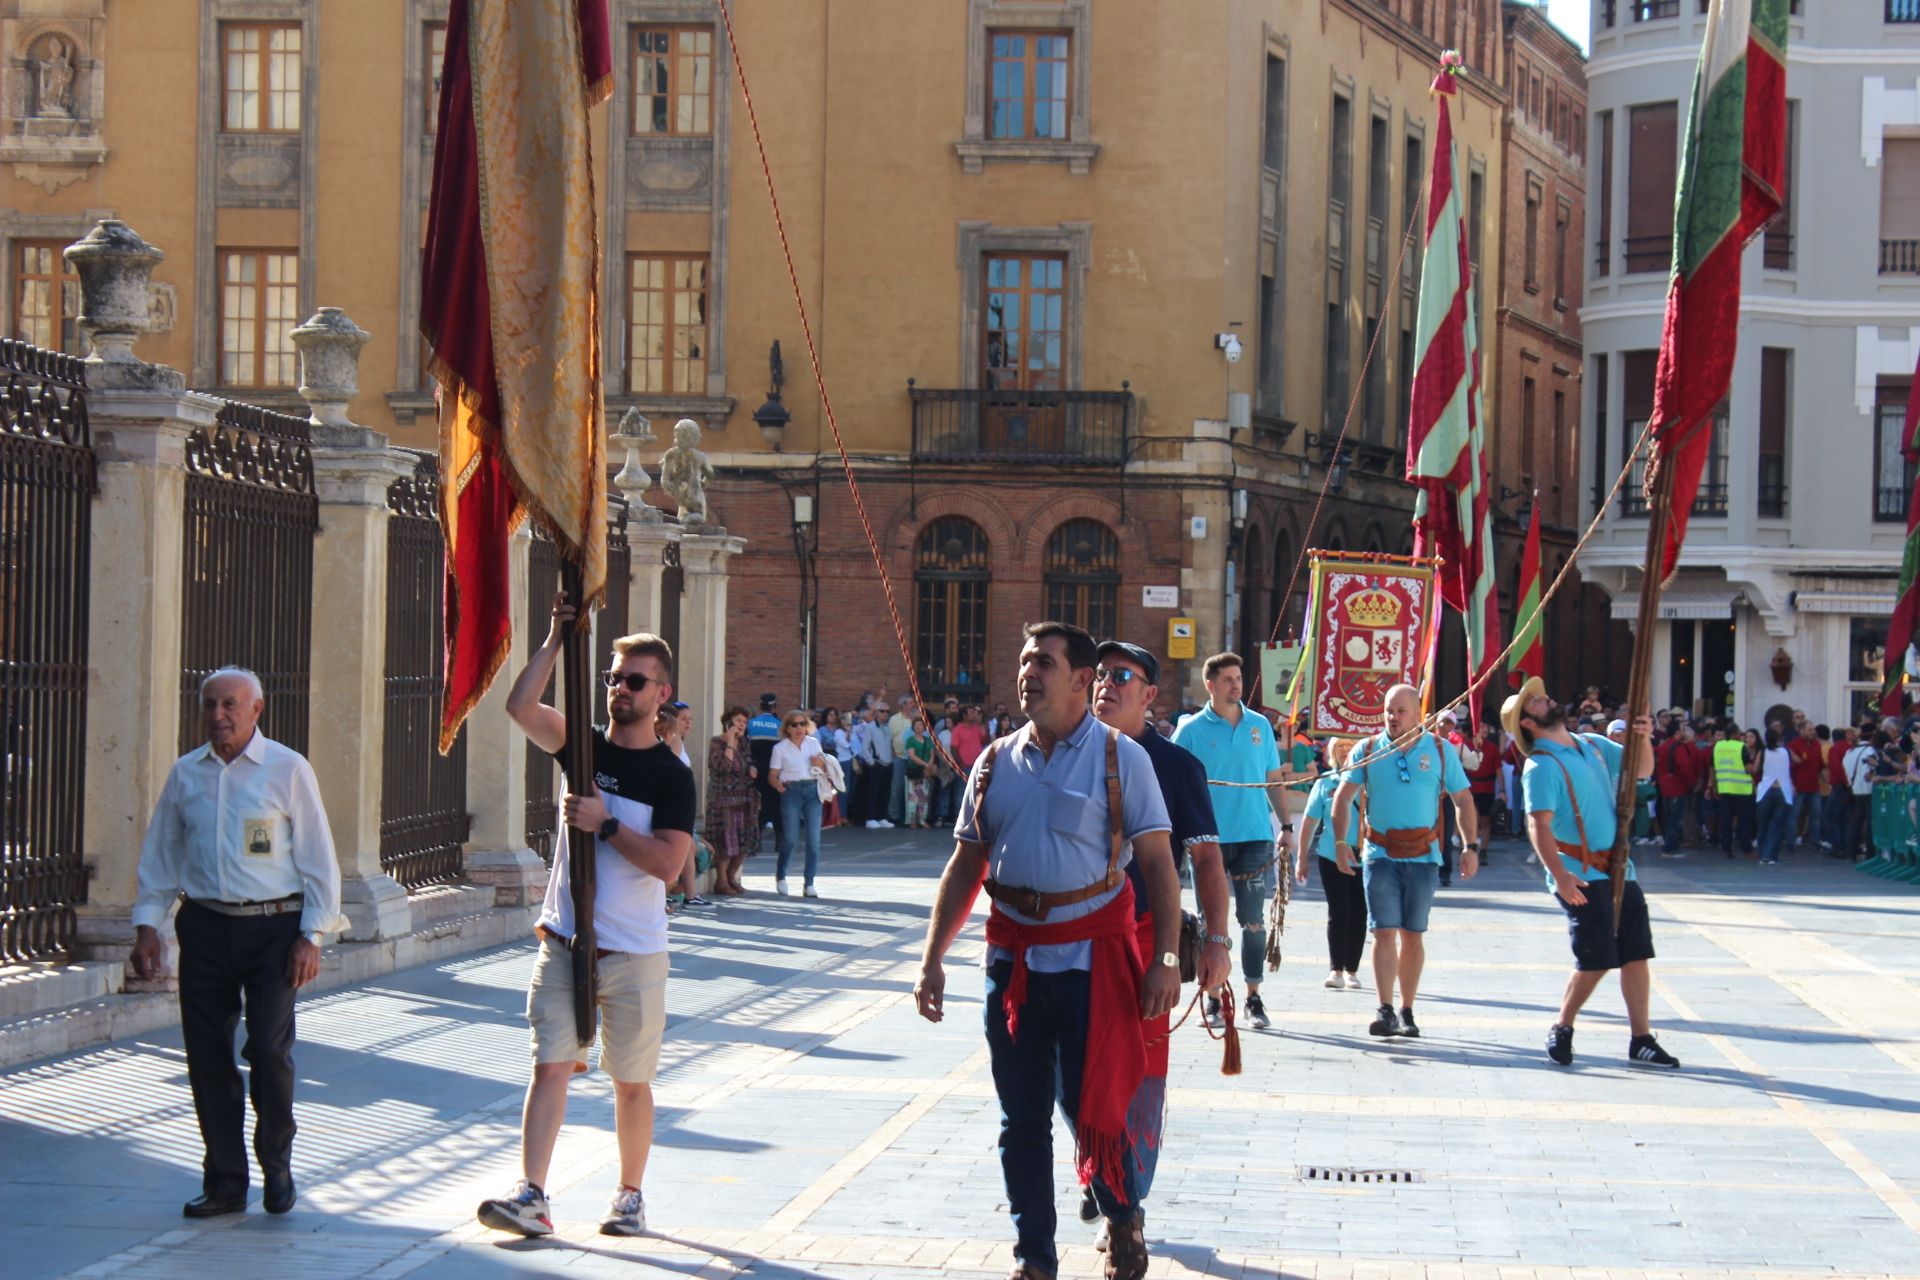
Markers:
(544, 725)
(952, 904)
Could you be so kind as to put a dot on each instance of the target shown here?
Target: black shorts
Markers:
(1595, 946)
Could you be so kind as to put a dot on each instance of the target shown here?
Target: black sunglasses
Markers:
(1117, 675)
(634, 681)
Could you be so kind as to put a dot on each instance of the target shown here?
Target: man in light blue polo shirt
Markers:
(1063, 965)
(1571, 783)
(1235, 744)
(1405, 786)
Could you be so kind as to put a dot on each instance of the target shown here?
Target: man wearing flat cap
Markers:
(1570, 782)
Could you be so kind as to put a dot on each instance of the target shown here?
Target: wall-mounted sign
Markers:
(1198, 527)
(1159, 597)
(1180, 637)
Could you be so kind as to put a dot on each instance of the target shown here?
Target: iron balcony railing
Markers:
(1062, 428)
(1647, 253)
(1889, 504)
(1903, 10)
(1711, 500)
(1900, 257)
(1649, 10)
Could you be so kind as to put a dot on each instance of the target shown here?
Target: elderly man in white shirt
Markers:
(241, 841)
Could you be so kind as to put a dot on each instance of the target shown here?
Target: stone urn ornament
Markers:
(635, 433)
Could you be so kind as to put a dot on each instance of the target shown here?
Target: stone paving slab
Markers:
(810, 1125)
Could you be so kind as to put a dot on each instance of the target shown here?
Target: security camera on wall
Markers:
(1230, 344)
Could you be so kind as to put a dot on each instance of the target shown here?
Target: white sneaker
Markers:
(627, 1215)
(1335, 980)
(1354, 983)
(523, 1211)
(810, 892)
(873, 824)
(885, 825)
(780, 887)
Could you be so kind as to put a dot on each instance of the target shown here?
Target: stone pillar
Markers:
(648, 540)
(702, 660)
(352, 469)
(141, 417)
(497, 853)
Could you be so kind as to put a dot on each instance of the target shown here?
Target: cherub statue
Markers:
(685, 472)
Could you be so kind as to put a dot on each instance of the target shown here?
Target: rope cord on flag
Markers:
(1499, 659)
(826, 400)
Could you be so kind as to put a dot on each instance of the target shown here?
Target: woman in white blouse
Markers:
(797, 761)
(1773, 798)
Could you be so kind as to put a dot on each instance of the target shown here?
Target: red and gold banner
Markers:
(1372, 621)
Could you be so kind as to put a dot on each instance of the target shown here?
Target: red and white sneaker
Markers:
(524, 1212)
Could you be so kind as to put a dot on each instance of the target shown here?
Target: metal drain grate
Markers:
(1365, 1177)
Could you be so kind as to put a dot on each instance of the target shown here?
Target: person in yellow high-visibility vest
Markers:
(1732, 782)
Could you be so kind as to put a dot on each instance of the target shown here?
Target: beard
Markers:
(623, 713)
(1556, 716)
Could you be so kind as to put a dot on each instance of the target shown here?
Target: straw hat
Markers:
(1510, 711)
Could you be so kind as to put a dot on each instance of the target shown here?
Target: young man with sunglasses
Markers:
(640, 805)
(1406, 774)
(1236, 744)
(1125, 684)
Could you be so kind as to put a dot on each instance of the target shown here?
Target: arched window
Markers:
(1083, 577)
(1374, 543)
(951, 570)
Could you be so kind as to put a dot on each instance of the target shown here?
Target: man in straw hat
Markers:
(1570, 784)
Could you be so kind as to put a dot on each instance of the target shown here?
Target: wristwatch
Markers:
(609, 829)
(1286, 826)
(1474, 845)
(314, 936)
(1170, 959)
(1220, 938)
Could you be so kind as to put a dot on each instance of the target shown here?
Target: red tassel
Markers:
(1230, 1050)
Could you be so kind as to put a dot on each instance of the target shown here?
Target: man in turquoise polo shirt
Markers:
(1406, 774)
(1234, 744)
(1571, 783)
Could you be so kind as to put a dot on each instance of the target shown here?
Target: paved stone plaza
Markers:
(812, 1126)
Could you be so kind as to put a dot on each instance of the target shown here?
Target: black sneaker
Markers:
(1089, 1207)
(1407, 1025)
(1560, 1044)
(1387, 1023)
(1646, 1051)
(1210, 1015)
(1257, 1013)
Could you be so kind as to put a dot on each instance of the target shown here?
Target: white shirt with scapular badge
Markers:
(649, 791)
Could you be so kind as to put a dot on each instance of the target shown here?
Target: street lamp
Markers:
(772, 416)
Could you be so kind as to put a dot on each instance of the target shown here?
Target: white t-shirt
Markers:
(789, 763)
(1859, 762)
(1776, 770)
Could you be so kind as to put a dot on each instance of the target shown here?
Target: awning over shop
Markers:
(1714, 605)
(1843, 602)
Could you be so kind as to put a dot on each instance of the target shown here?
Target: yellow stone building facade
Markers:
(1045, 213)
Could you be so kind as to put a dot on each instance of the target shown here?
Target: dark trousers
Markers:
(1860, 825)
(1346, 915)
(1673, 819)
(860, 804)
(227, 963)
(1030, 1076)
(1446, 840)
(1736, 821)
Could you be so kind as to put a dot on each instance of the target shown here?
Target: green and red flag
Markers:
(1732, 180)
(1529, 656)
(1446, 439)
(1906, 608)
(510, 307)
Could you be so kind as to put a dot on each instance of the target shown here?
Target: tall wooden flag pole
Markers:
(1732, 178)
(510, 306)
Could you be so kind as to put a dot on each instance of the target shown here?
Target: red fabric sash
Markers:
(1116, 1058)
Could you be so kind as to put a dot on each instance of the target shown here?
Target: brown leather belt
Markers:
(1592, 860)
(1404, 842)
(1032, 902)
(599, 953)
(275, 907)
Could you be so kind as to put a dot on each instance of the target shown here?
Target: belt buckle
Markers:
(1032, 904)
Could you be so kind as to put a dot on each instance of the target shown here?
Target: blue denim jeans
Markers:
(1774, 816)
(1031, 1075)
(1809, 807)
(1673, 815)
(1252, 859)
(799, 810)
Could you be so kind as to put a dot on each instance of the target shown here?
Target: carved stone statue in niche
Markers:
(685, 472)
(53, 80)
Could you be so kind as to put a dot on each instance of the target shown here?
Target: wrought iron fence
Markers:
(1900, 257)
(1065, 428)
(1647, 253)
(543, 809)
(1709, 500)
(247, 570)
(1901, 10)
(1649, 10)
(47, 483)
(613, 619)
(423, 794)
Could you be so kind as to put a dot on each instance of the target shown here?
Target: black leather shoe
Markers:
(280, 1194)
(212, 1206)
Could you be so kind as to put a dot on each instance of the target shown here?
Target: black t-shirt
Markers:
(1183, 785)
(652, 776)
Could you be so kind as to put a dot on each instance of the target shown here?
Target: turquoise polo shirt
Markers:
(1245, 752)
(1397, 799)
(1594, 764)
(1320, 809)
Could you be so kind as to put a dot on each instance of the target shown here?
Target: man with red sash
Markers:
(1125, 683)
(1571, 781)
(1050, 817)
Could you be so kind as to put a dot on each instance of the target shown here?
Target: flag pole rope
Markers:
(820, 382)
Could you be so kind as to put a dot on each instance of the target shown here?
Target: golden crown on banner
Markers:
(1374, 607)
